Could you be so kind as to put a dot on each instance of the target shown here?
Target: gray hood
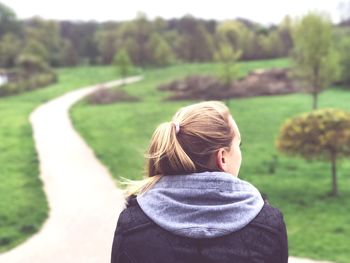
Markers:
(201, 205)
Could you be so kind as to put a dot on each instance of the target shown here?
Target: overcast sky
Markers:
(263, 11)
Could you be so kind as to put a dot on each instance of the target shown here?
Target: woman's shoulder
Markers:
(270, 218)
(132, 215)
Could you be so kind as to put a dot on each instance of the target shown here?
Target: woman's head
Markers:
(201, 137)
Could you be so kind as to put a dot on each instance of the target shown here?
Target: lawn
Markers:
(23, 206)
(318, 225)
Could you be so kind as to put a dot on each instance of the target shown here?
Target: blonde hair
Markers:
(187, 144)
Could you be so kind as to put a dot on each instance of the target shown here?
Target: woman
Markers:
(192, 207)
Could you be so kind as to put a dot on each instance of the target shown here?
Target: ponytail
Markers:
(165, 155)
(187, 144)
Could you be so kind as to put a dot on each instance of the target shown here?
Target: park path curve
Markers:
(84, 201)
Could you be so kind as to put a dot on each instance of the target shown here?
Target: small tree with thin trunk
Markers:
(123, 63)
(315, 59)
(228, 57)
(322, 134)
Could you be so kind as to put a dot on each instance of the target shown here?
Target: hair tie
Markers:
(177, 127)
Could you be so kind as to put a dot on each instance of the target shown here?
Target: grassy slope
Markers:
(23, 206)
(317, 224)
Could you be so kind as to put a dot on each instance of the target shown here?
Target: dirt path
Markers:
(83, 199)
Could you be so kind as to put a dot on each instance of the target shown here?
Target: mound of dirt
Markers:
(196, 87)
(257, 83)
(108, 96)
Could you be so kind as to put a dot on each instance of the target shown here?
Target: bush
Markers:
(24, 83)
(322, 134)
(32, 63)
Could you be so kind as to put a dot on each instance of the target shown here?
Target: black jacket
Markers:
(137, 239)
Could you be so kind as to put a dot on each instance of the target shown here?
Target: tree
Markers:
(47, 34)
(321, 134)
(160, 51)
(81, 36)
(273, 46)
(32, 64)
(316, 62)
(10, 45)
(8, 22)
(194, 42)
(131, 36)
(106, 45)
(141, 30)
(255, 41)
(228, 57)
(234, 32)
(123, 63)
(344, 49)
(36, 48)
(285, 32)
(69, 54)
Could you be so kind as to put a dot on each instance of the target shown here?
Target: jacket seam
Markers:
(136, 228)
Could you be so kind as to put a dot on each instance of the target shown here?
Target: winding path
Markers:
(83, 200)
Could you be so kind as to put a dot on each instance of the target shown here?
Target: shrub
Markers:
(32, 63)
(322, 134)
(26, 82)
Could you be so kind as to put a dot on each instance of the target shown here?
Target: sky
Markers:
(265, 12)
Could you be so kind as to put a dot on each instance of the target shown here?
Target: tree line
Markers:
(157, 42)
(38, 43)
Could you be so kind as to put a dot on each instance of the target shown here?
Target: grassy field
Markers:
(318, 225)
(23, 206)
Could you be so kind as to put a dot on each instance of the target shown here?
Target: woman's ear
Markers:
(221, 160)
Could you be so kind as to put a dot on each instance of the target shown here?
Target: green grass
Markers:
(23, 206)
(318, 225)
